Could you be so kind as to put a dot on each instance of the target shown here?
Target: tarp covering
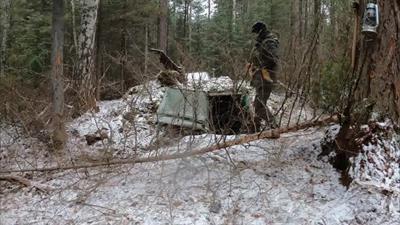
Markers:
(184, 108)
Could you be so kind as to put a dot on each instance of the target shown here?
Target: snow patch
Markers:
(378, 163)
(217, 84)
(197, 76)
(128, 122)
(266, 182)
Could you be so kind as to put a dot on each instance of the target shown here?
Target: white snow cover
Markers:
(331, 133)
(264, 182)
(216, 84)
(197, 76)
(378, 164)
(8, 135)
(128, 122)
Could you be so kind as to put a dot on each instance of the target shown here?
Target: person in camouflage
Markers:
(263, 68)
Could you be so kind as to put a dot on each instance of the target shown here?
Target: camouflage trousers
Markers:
(263, 92)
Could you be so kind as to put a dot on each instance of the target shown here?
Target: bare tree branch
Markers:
(274, 133)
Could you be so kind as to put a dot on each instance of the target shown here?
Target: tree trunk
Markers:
(189, 43)
(123, 51)
(248, 10)
(301, 21)
(185, 18)
(332, 19)
(305, 32)
(146, 49)
(356, 34)
(376, 77)
(99, 63)
(233, 13)
(294, 43)
(74, 35)
(87, 53)
(378, 64)
(271, 15)
(163, 26)
(5, 26)
(296, 24)
(57, 52)
(209, 10)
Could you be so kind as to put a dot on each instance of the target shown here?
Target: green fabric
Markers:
(184, 108)
(188, 108)
(245, 102)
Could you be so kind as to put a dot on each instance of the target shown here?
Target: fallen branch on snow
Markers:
(273, 133)
(378, 186)
(25, 182)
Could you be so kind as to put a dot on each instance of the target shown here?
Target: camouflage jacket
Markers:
(265, 53)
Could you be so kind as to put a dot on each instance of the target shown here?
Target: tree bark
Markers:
(271, 15)
(233, 13)
(356, 31)
(378, 65)
(146, 49)
(185, 18)
(301, 21)
(74, 35)
(332, 17)
(295, 46)
(87, 53)
(209, 10)
(123, 51)
(248, 9)
(5, 26)
(59, 133)
(99, 63)
(189, 43)
(163, 26)
(305, 32)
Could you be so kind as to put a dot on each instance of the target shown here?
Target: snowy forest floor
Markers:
(281, 181)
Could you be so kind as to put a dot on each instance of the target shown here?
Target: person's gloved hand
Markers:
(266, 75)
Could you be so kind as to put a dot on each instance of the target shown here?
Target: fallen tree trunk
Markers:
(273, 133)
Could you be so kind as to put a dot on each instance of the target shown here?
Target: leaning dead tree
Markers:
(173, 73)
